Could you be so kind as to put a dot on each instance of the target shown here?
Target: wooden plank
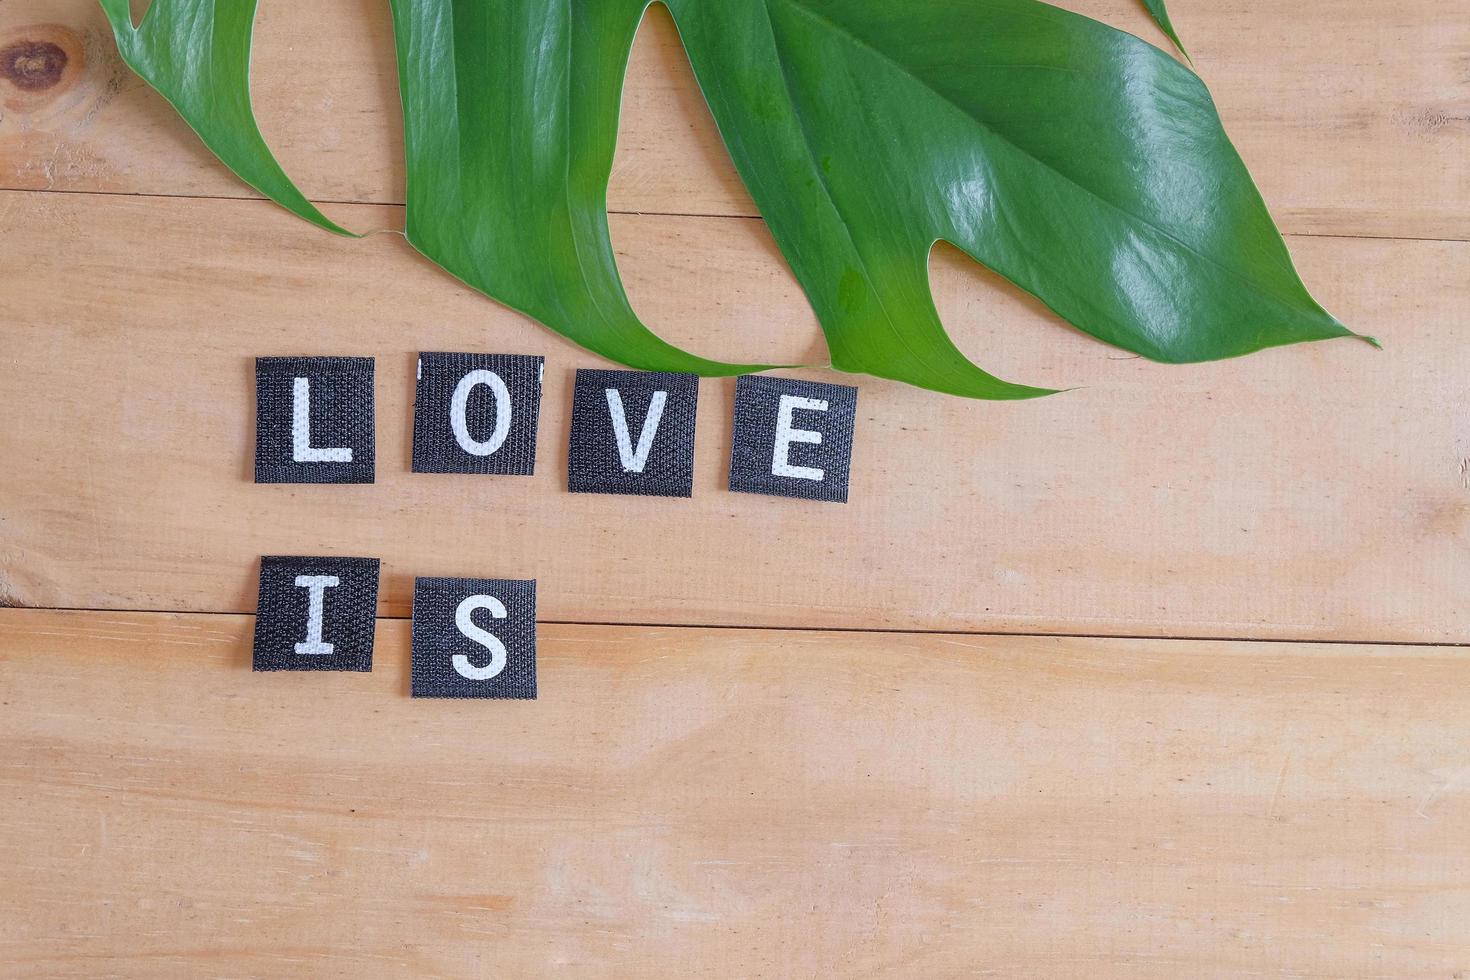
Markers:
(732, 803)
(1354, 114)
(1308, 492)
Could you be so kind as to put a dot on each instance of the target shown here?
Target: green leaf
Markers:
(508, 155)
(196, 53)
(1079, 162)
(1161, 17)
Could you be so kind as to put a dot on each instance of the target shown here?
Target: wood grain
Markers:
(1308, 492)
(1353, 114)
(715, 803)
(695, 802)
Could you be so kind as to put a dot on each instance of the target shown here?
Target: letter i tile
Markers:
(316, 613)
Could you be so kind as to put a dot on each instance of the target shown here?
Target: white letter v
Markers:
(633, 462)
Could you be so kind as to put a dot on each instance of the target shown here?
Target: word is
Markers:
(472, 638)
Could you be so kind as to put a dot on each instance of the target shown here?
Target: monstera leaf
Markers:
(197, 55)
(508, 159)
(1160, 15)
(1077, 161)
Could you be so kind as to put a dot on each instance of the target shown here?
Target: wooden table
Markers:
(1161, 677)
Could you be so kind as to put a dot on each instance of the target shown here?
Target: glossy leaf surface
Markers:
(1077, 161)
(196, 53)
(508, 153)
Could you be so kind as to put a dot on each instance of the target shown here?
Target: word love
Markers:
(632, 432)
(472, 638)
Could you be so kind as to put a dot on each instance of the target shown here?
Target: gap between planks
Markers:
(332, 202)
(879, 631)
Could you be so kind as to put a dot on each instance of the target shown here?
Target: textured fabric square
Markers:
(792, 438)
(633, 432)
(474, 638)
(314, 420)
(476, 413)
(316, 613)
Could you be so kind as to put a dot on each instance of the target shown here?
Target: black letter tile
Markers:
(316, 613)
(314, 420)
(457, 423)
(615, 448)
(810, 457)
(474, 638)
